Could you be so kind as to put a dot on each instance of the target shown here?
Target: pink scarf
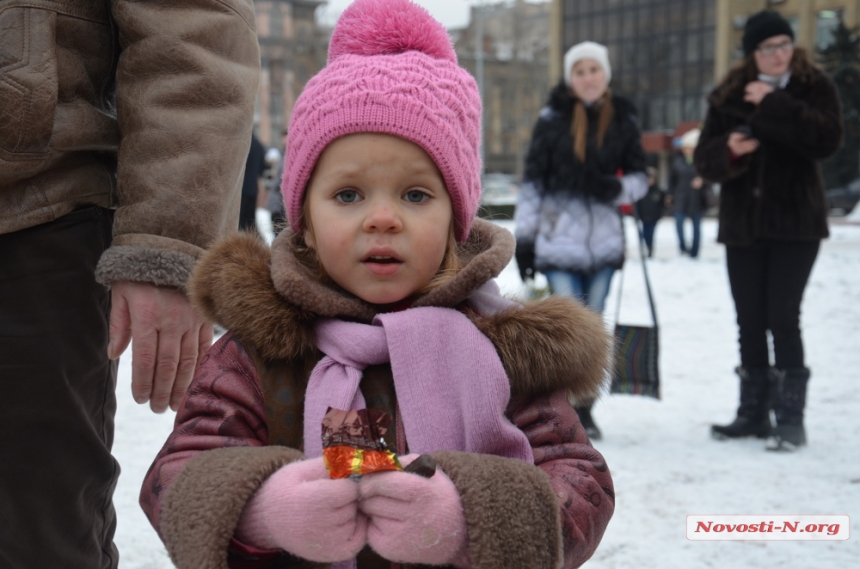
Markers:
(452, 389)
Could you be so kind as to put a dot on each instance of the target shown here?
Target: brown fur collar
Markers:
(270, 303)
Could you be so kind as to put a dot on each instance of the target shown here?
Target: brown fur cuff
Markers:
(144, 264)
(203, 505)
(512, 513)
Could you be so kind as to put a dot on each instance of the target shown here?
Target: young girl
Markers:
(380, 296)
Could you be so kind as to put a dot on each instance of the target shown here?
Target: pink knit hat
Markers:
(391, 69)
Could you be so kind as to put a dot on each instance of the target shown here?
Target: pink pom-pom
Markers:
(384, 27)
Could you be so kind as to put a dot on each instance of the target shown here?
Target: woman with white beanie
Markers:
(585, 160)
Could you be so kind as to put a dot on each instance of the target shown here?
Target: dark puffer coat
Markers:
(686, 199)
(777, 191)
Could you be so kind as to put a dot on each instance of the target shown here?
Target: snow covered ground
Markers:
(663, 462)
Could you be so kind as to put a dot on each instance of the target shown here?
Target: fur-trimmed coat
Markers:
(777, 191)
(143, 107)
(242, 417)
(559, 214)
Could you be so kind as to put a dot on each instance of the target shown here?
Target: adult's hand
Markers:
(169, 336)
(740, 144)
(755, 91)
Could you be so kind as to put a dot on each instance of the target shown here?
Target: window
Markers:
(694, 40)
(826, 22)
(628, 23)
(694, 12)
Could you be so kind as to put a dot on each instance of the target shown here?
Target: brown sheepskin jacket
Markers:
(142, 106)
(242, 417)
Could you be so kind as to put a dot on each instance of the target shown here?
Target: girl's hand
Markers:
(300, 509)
(739, 144)
(696, 184)
(755, 91)
(413, 519)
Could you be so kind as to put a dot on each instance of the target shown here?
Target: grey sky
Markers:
(452, 13)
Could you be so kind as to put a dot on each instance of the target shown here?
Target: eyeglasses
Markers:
(769, 50)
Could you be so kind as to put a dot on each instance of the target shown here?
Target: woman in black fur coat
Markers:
(770, 122)
(585, 159)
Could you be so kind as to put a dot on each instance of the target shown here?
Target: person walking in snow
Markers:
(770, 122)
(687, 191)
(568, 225)
(650, 209)
(380, 295)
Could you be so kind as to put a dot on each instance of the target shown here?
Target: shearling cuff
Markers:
(144, 264)
(202, 507)
(512, 512)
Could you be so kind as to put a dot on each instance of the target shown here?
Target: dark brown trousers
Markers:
(57, 402)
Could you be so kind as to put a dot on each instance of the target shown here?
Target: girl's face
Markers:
(773, 55)
(379, 216)
(588, 80)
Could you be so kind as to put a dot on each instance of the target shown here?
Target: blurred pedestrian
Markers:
(650, 209)
(771, 121)
(275, 199)
(585, 159)
(123, 135)
(687, 193)
(253, 191)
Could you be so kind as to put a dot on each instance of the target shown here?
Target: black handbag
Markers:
(636, 367)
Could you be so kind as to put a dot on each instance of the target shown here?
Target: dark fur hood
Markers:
(270, 304)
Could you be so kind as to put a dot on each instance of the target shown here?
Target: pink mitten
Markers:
(414, 519)
(301, 510)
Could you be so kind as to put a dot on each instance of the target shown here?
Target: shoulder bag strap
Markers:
(644, 271)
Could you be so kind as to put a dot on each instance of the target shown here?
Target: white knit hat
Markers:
(587, 50)
(691, 138)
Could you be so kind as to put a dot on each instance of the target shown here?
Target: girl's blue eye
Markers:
(416, 196)
(347, 196)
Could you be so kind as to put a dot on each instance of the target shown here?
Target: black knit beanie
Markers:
(764, 25)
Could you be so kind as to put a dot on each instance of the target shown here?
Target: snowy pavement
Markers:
(663, 462)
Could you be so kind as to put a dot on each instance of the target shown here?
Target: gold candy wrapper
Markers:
(353, 443)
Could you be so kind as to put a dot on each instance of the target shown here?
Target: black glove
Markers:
(525, 255)
(604, 187)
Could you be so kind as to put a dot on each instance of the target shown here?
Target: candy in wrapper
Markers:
(353, 443)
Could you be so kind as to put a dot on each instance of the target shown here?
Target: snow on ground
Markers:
(663, 462)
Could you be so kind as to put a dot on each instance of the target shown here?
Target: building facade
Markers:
(813, 22)
(662, 52)
(512, 74)
(292, 50)
(667, 55)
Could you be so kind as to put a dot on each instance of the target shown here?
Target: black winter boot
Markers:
(753, 418)
(789, 434)
(588, 423)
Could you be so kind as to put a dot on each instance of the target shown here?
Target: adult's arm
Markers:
(712, 158)
(811, 127)
(634, 181)
(186, 83)
(538, 162)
